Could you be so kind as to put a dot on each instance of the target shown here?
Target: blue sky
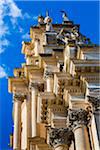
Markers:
(16, 17)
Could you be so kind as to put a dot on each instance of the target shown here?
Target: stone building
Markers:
(56, 101)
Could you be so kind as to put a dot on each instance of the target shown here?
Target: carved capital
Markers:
(95, 101)
(48, 74)
(33, 85)
(36, 85)
(19, 96)
(58, 136)
(79, 117)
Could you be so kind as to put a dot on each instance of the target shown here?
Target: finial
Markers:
(64, 16)
(40, 19)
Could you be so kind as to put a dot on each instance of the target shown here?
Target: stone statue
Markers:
(40, 19)
(64, 16)
(48, 22)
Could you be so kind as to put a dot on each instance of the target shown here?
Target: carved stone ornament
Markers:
(19, 96)
(79, 117)
(95, 101)
(37, 85)
(48, 74)
(61, 85)
(58, 136)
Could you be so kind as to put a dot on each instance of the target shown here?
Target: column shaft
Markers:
(49, 84)
(36, 49)
(97, 121)
(17, 125)
(39, 103)
(81, 138)
(93, 134)
(34, 110)
(72, 146)
(24, 133)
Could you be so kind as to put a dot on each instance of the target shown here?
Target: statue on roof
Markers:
(48, 22)
(74, 33)
(64, 16)
(40, 19)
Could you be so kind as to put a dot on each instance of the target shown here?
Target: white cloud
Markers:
(14, 11)
(3, 44)
(3, 30)
(26, 15)
(9, 9)
(21, 30)
(26, 36)
(35, 17)
(3, 73)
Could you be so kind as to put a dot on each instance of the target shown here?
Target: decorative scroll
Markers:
(19, 96)
(60, 136)
(95, 101)
(48, 74)
(37, 85)
(79, 117)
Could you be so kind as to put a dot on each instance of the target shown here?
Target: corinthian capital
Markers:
(95, 101)
(36, 85)
(19, 96)
(48, 74)
(33, 85)
(79, 117)
(60, 136)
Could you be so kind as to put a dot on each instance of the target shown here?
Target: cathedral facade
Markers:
(56, 101)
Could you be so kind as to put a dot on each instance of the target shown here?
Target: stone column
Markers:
(39, 109)
(96, 113)
(24, 120)
(72, 147)
(28, 62)
(49, 80)
(37, 47)
(60, 138)
(17, 121)
(34, 94)
(35, 87)
(79, 120)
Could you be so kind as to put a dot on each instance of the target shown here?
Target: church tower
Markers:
(56, 95)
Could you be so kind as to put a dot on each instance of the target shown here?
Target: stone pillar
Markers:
(60, 138)
(49, 80)
(29, 115)
(39, 103)
(96, 113)
(79, 120)
(24, 132)
(37, 47)
(28, 62)
(49, 84)
(17, 121)
(35, 87)
(72, 146)
(81, 138)
(34, 93)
